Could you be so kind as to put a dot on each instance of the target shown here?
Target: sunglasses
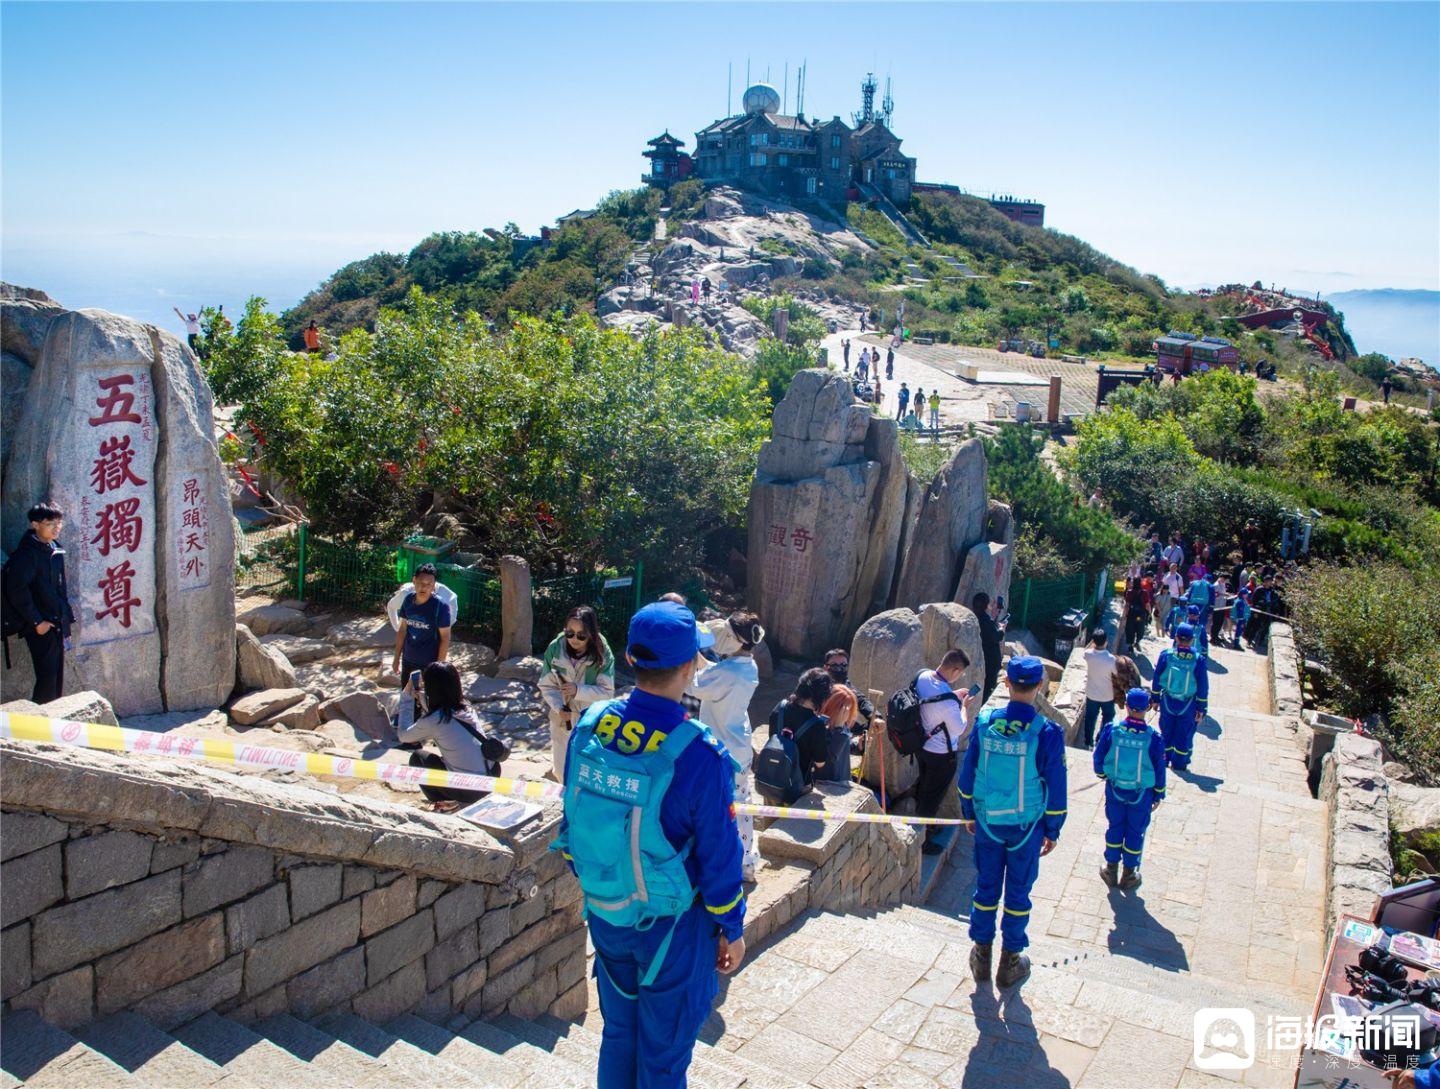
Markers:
(578, 636)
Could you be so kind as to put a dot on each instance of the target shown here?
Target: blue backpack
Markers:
(1127, 766)
(630, 874)
(1177, 682)
(1008, 787)
(1201, 593)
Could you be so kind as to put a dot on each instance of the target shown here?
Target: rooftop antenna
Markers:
(785, 95)
(867, 101)
(800, 89)
(887, 104)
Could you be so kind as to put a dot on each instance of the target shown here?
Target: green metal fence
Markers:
(290, 561)
(1035, 603)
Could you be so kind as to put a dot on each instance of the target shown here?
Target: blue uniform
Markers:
(650, 1031)
(1010, 866)
(1127, 813)
(1177, 716)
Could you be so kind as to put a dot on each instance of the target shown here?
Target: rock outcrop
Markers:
(114, 422)
(949, 522)
(258, 666)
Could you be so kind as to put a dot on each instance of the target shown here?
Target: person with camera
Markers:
(454, 729)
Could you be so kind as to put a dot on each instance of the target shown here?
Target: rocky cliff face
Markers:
(113, 420)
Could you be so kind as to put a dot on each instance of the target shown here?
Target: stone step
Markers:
(325, 1052)
(707, 1059)
(155, 1056)
(544, 1070)
(419, 1065)
(493, 1071)
(250, 1055)
(38, 1054)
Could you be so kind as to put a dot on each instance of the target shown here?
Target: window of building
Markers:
(761, 157)
(783, 160)
(834, 162)
(810, 186)
(835, 140)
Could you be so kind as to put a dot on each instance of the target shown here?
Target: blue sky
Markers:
(200, 152)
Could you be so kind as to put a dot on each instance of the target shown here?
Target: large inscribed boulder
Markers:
(950, 520)
(116, 426)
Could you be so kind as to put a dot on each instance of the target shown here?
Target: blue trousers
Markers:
(648, 1038)
(1000, 871)
(1125, 826)
(1179, 734)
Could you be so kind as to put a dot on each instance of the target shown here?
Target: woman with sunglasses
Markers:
(578, 670)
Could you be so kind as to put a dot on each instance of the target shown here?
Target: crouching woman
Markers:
(453, 728)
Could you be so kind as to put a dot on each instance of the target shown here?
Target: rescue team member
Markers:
(649, 832)
(1182, 687)
(1012, 785)
(1130, 757)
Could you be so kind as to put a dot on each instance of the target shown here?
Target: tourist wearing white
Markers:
(1099, 685)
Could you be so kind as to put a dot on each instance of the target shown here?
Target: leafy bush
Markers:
(572, 445)
(924, 459)
(1134, 461)
(777, 364)
(1039, 558)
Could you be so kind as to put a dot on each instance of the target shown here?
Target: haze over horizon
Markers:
(269, 144)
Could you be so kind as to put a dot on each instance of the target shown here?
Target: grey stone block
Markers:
(467, 983)
(327, 985)
(527, 942)
(15, 973)
(95, 863)
(388, 951)
(385, 907)
(168, 958)
(503, 987)
(303, 946)
(257, 918)
(29, 884)
(358, 879)
(64, 1000)
(189, 999)
(181, 852)
(74, 933)
(225, 877)
(21, 833)
(313, 888)
(451, 957)
(494, 929)
(457, 908)
(398, 994)
(429, 892)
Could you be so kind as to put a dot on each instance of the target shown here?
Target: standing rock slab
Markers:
(361, 710)
(825, 517)
(987, 569)
(258, 666)
(950, 520)
(259, 706)
(116, 425)
(948, 626)
(304, 715)
(889, 649)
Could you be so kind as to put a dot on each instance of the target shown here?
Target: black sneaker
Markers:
(1014, 968)
(980, 963)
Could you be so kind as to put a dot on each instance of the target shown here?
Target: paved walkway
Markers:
(1230, 915)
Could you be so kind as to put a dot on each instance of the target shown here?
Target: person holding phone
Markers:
(946, 718)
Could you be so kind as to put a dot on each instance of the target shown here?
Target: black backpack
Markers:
(779, 770)
(11, 622)
(902, 719)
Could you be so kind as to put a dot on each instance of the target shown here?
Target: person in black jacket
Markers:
(35, 590)
(990, 642)
(811, 691)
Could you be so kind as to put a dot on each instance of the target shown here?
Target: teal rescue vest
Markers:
(630, 874)
(1008, 788)
(1201, 593)
(1178, 681)
(1127, 765)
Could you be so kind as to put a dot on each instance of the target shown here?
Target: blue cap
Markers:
(1193, 610)
(1026, 669)
(1185, 631)
(1137, 699)
(665, 635)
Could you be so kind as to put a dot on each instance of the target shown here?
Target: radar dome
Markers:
(762, 98)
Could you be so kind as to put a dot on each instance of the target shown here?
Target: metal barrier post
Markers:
(639, 575)
(300, 566)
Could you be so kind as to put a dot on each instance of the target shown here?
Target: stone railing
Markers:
(842, 867)
(1286, 699)
(1356, 796)
(172, 889)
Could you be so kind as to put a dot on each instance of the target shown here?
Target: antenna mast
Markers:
(867, 101)
(800, 89)
(887, 105)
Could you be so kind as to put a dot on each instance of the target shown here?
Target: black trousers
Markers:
(47, 653)
(937, 774)
(422, 759)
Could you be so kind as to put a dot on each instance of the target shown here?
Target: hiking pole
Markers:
(875, 697)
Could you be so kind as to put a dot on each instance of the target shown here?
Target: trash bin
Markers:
(421, 549)
(1068, 631)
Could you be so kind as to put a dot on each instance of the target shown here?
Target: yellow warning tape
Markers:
(224, 751)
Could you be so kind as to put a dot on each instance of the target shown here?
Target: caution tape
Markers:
(784, 811)
(226, 752)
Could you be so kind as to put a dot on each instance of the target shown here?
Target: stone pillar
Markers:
(1052, 411)
(517, 622)
(781, 321)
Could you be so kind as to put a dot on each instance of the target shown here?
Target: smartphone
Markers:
(974, 691)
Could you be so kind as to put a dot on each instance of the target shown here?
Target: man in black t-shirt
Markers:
(811, 691)
(991, 642)
(425, 620)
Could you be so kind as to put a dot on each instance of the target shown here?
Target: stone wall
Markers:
(847, 866)
(171, 889)
(1286, 698)
(1356, 796)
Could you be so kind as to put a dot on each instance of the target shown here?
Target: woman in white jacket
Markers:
(578, 670)
(724, 691)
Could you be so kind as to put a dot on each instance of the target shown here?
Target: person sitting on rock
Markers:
(452, 726)
(578, 670)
